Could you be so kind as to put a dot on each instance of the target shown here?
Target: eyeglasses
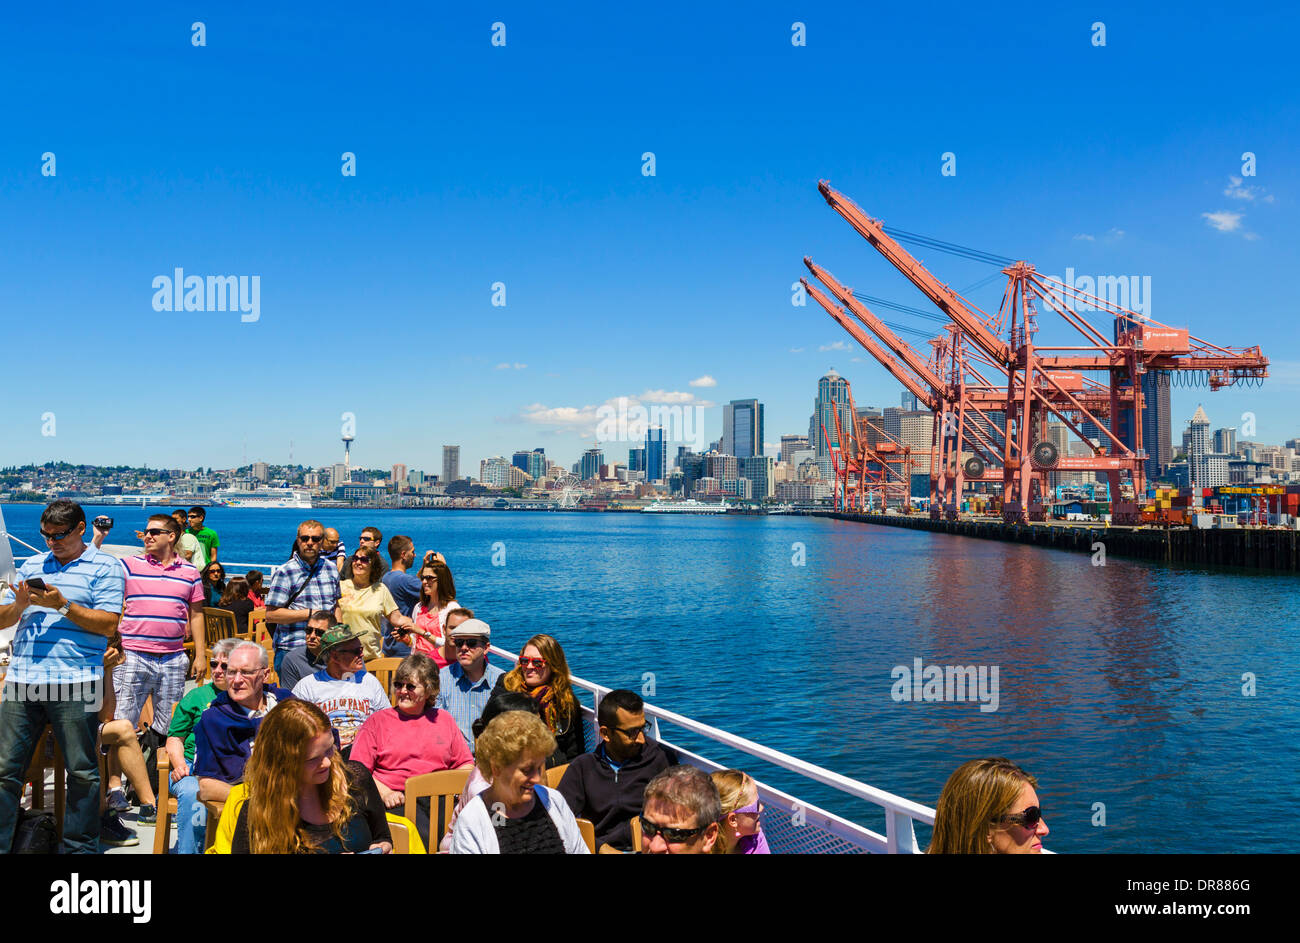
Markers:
(249, 673)
(155, 531)
(312, 630)
(217, 664)
(538, 663)
(404, 686)
(362, 560)
(53, 537)
(632, 732)
(428, 579)
(467, 642)
(673, 836)
(1026, 819)
(309, 539)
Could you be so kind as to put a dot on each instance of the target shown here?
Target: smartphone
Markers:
(37, 584)
(371, 851)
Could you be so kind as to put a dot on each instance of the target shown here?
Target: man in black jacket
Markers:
(607, 786)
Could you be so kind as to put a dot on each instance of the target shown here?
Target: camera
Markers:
(103, 522)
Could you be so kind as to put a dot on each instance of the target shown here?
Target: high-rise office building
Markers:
(909, 402)
(1225, 440)
(691, 465)
(758, 469)
(532, 461)
(720, 466)
(261, 471)
(494, 472)
(1206, 468)
(636, 459)
(399, 476)
(450, 464)
(742, 428)
(656, 454)
(589, 464)
(791, 444)
(832, 401)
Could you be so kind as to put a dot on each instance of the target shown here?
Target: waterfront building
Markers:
(261, 471)
(450, 464)
(759, 471)
(707, 487)
(415, 478)
(790, 444)
(656, 454)
(399, 477)
(742, 428)
(636, 458)
(494, 472)
(917, 430)
(740, 488)
(691, 465)
(518, 478)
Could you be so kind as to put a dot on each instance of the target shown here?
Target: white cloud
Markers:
(566, 416)
(1224, 221)
(671, 397)
(511, 366)
(1084, 235)
(1250, 193)
(586, 418)
(796, 350)
(1114, 233)
(705, 380)
(835, 345)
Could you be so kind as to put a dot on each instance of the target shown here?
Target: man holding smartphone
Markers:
(67, 604)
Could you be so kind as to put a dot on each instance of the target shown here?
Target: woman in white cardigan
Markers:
(516, 814)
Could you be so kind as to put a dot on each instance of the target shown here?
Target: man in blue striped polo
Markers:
(56, 675)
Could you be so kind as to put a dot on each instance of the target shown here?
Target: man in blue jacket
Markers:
(223, 739)
(607, 786)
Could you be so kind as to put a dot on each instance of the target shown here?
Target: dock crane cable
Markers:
(952, 248)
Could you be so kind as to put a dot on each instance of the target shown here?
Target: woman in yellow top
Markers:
(364, 601)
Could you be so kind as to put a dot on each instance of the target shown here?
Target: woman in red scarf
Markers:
(543, 674)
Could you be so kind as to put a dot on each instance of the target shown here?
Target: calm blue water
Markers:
(1119, 684)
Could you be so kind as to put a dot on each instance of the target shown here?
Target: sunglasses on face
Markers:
(404, 686)
(673, 836)
(362, 560)
(54, 537)
(217, 664)
(1026, 819)
(467, 642)
(315, 631)
(538, 663)
(309, 540)
(428, 579)
(155, 531)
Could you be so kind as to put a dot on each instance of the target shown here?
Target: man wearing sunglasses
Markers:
(343, 689)
(191, 816)
(607, 786)
(680, 814)
(306, 583)
(56, 674)
(465, 685)
(307, 660)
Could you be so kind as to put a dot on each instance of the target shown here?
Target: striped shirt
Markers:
(158, 600)
(51, 649)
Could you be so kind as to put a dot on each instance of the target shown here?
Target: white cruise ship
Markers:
(689, 506)
(262, 498)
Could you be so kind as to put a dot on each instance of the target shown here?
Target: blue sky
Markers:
(522, 164)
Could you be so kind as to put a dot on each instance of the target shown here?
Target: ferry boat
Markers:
(689, 506)
(262, 498)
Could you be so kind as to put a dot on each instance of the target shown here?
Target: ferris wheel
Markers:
(568, 491)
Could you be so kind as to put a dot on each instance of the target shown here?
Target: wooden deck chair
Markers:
(636, 834)
(554, 775)
(588, 830)
(442, 789)
(255, 618)
(383, 669)
(47, 755)
(217, 625)
(166, 802)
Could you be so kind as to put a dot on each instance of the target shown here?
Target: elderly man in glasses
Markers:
(681, 812)
(307, 660)
(67, 604)
(465, 685)
(191, 816)
(343, 689)
(306, 583)
(223, 738)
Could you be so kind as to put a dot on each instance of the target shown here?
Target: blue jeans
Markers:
(72, 713)
(191, 815)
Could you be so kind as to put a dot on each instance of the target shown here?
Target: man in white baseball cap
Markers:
(466, 684)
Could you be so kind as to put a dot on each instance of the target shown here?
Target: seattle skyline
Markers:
(377, 290)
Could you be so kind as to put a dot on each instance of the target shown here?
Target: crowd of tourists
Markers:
(305, 750)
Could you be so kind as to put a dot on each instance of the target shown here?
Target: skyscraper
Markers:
(742, 428)
(908, 402)
(450, 464)
(832, 400)
(636, 459)
(758, 469)
(589, 466)
(656, 454)
(532, 461)
(791, 444)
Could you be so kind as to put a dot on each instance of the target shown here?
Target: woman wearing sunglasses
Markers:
(364, 600)
(988, 807)
(739, 830)
(411, 738)
(214, 584)
(543, 674)
(437, 600)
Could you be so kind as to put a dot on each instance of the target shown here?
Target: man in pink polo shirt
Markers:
(164, 594)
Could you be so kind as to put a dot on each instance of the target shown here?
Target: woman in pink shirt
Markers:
(437, 600)
(411, 738)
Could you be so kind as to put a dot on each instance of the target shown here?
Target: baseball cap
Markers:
(471, 627)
